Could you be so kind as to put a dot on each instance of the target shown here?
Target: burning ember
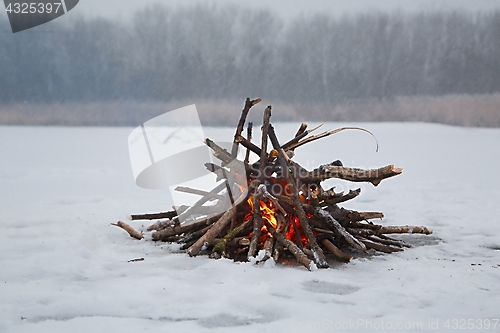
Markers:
(283, 212)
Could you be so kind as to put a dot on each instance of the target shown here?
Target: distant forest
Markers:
(227, 52)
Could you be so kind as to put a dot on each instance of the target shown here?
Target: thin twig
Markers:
(198, 192)
(328, 133)
(257, 223)
(263, 147)
(155, 216)
(298, 137)
(219, 152)
(128, 228)
(239, 129)
(192, 210)
(249, 139)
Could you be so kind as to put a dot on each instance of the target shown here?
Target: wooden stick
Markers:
(199, 192)
(257, 224)
(238, 242)
(337, 227)
(363, 225)
(163, 224)
(219, 171)
(219, 152)
(319, 257)
(249, 139)
(234, 221)
(131, 231)
(374, 176)
(386, 241)
(268, 248)
(155, 216)
(193, 236)
(298, 170)
(301, 129)
(192, 210)
(136, 260)
(220, 247)
(257, 217)
(380, 247)
(263, 147)
(298, 238)
(285, 200)
(324, 231)
(216, 228)
(247, 144)
(282, 228)
(407, 229)
(361, 232)
(172, 239)
(241, 123)
(298, 137)
(308, 252)
(328, 133)
(214, 168)
(387, 238)
(351, 195)
(364, 228)
(210, 235)
(207, 210)
(361, 216)
(163, 234)
(335, 250)
(292, 247)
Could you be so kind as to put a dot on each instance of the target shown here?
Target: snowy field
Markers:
(63, 268)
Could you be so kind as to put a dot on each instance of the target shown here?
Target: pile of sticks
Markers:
(284, 212)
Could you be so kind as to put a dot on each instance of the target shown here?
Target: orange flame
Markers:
(268, 211)
(291, 231)
(250, 202)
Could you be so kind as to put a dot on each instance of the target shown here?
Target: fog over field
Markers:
(289, 9)
(335, 61)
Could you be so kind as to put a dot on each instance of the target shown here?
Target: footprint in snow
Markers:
(226, 320)
(323, 287)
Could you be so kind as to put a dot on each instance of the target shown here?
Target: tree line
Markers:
(166, 54)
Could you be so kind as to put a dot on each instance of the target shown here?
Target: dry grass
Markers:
(460, 110)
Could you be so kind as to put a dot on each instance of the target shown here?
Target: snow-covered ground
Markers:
(63, 268)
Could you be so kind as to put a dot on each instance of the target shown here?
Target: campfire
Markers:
(276, 208)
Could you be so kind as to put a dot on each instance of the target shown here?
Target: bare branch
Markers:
(328, 133)
(198, 192)
(374, 176)
(241, 123)
(128, 228)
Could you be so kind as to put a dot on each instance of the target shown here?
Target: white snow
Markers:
(63, 268)
(260, 255)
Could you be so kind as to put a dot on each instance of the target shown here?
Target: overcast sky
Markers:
(290, 8)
